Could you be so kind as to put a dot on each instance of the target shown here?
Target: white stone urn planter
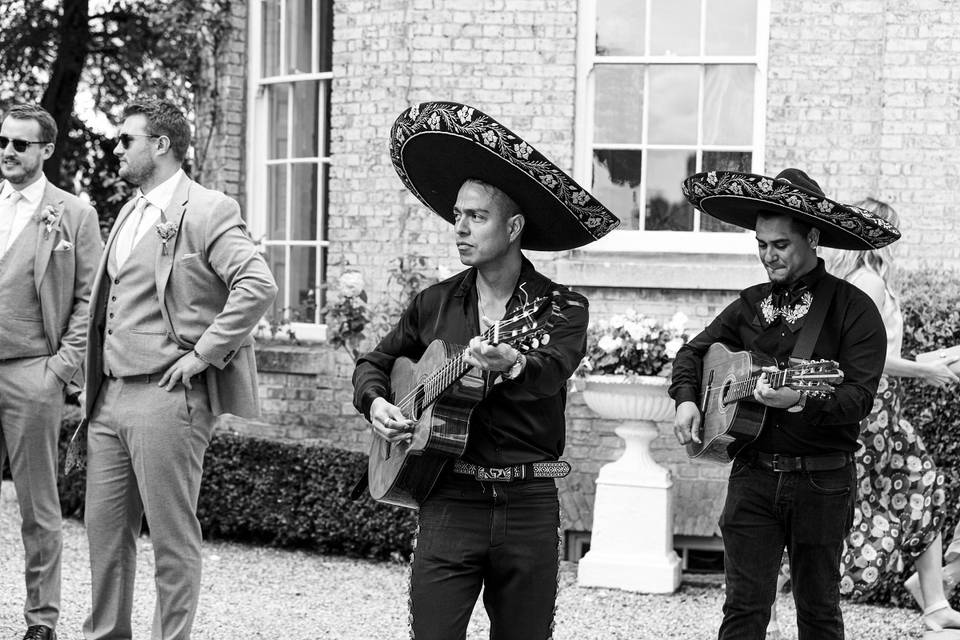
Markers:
(631, 545)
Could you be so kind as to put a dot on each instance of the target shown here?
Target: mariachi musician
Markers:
(492, 518)
(794, 486)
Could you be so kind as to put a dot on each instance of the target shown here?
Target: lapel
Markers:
(45, 241)
(174, 215)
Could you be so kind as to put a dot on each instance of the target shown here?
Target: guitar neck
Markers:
(742, 389)
(451, 371)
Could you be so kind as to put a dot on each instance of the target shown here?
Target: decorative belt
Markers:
(782, 463)
(552, 469)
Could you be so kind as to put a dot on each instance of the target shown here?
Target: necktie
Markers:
(133, 223)
(7, 214)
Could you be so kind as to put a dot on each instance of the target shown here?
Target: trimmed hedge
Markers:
(282, 494)
(931, 317)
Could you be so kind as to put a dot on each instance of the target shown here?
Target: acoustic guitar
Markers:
(731, 418)
(439, 392)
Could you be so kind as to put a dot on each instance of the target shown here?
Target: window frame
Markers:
(257, 151)
(683, 242)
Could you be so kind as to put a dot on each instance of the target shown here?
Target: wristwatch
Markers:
(800, 404)
(516, 367)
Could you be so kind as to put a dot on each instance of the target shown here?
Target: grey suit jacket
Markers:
(64, 263)
(213, 287)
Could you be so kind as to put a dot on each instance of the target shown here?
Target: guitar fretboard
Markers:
(742, 389)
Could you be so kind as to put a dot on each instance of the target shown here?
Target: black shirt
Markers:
(852, 334)
(520, 420)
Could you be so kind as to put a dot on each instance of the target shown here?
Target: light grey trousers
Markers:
(31, 407)
(145, 451)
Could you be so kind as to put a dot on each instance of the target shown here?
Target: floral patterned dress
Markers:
(899, 508)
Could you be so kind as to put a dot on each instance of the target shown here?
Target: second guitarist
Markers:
(794, 486)
(482, 526)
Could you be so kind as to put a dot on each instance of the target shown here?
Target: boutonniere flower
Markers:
(166, 230)
(50, 216)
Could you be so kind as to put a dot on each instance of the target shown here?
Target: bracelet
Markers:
(200, 357)
(516, 368)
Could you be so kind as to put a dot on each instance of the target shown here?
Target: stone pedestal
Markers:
(631, 545)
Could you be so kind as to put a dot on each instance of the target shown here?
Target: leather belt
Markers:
(153, 377)
(552, 469)
(784, 463)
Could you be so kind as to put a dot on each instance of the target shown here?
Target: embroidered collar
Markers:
(791, 313)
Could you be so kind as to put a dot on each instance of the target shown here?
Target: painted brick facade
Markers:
(862, 95)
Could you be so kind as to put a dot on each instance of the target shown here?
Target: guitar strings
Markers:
(444, 374)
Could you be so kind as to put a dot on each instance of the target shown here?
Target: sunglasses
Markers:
(19, 145)
(126, 138)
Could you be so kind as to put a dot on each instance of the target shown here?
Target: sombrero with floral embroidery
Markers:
(738, 198)
(436, 146)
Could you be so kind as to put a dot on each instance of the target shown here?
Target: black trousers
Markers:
(503, 537)
(810, 514)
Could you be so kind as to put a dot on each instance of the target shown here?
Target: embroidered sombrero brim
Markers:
(737, 198)
(437, 146)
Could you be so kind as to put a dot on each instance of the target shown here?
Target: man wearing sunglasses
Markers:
(177, 295)
(49, 248)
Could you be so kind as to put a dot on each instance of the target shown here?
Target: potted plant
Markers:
(628, 365)
(625, 375)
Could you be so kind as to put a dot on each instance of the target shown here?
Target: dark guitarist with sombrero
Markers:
(794, 485)
(490, 520)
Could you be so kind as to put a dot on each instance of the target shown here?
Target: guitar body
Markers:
(726, 427)
(404, 474)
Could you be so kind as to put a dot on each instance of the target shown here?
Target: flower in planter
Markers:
(633, 344)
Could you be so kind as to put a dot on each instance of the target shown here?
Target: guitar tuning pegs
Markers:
(545, 339)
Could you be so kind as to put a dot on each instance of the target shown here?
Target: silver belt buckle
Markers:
(494, 475)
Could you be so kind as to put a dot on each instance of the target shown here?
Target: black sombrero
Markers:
(436, 146)
(737, 198)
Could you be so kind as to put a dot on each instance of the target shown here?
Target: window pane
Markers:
(277, 202)
(673, 104)
(620, 27)
(616, 183)
(726, 161)
(270, 61)
(305, 114)
(723, 161)
(303, 195)
(674, 27)
(276, 259)
(277, 120)
(731, 27)
(300, 36)
(303, 284)
(667, 209)
(618, 104)
(326, 35)
(728, 104)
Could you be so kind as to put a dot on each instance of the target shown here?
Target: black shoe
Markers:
(39, 632)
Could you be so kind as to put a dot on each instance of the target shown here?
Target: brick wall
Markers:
(863, 94)
(223, 162)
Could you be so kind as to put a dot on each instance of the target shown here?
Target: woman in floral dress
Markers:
(899, 511)
(900, 504)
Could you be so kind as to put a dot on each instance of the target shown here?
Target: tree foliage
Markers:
(108, 52)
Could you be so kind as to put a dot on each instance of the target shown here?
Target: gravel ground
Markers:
(252, 592)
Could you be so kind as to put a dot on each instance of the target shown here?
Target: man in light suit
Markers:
(176, 297)
(49, 248)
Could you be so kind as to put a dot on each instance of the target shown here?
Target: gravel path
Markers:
(252, 592)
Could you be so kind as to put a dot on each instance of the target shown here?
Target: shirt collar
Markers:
(469, 282)
(161, 195)
(32, 194)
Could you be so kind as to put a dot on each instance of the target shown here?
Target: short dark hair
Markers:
(48, 126)
(163, 119)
